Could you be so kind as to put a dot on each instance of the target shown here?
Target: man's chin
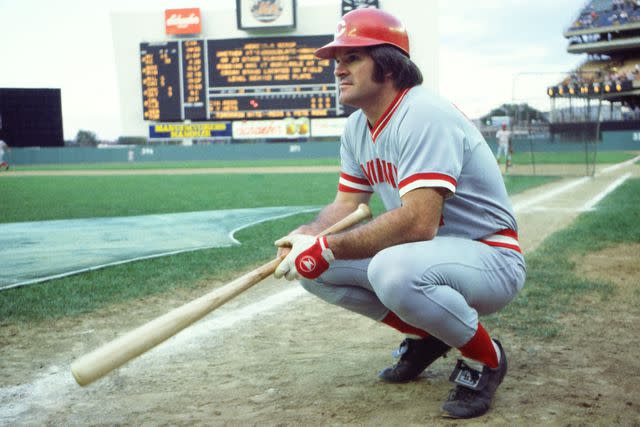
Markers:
(345, 100)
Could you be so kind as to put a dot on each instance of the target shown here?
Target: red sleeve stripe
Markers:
(352, 184)
(346, 189)
(427, 180)
(354, 179)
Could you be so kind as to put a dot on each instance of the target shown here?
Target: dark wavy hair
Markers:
(390, 60)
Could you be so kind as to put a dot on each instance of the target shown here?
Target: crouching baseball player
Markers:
(446, 249)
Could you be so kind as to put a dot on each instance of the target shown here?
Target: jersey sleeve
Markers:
(352, 179)
(430, 152)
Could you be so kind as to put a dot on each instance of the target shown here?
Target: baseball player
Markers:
(3, 147)
(446, 249)
(504, 138)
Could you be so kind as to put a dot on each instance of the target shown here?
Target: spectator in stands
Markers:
(623, 17)
(3, 146)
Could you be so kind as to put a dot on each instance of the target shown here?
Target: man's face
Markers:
(354, 69)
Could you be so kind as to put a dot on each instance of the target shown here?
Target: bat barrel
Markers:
(116, 353)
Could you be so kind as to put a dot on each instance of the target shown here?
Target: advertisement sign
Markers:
(256, 129)
(261, 14)
(183, 21)
(195, 130)
(328, 127)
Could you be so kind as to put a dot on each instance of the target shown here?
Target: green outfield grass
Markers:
(553, 288)
(574, 157)
(522, 157)
(36, 198)
(181, 165)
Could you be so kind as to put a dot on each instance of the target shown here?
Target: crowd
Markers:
(605, 72)
(606, 13)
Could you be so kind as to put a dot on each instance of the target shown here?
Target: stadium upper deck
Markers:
(608, 31)
(602, 16)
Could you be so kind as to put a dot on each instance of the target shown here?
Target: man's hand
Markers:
(309, 257)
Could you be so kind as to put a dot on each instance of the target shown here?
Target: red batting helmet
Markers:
(367, 27)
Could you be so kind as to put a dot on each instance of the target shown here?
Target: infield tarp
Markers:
(32, 252)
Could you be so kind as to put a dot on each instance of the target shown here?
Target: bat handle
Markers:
(361, 213)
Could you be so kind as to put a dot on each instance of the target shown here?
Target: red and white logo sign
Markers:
(183, 21)
(307, 264)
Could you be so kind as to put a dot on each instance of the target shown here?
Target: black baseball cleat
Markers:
(415, 356)
(474, 390)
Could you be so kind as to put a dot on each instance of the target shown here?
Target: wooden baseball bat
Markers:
(116, 353)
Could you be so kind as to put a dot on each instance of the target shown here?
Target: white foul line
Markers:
(227, 320)
(55, 388)
(549, 194)
(619, 165)
(527, 204)
(594, 201)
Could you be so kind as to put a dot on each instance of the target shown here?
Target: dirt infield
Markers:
(277, 356)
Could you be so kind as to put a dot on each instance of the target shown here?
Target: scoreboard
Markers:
(238, 79)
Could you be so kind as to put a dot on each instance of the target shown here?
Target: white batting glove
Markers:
(309, 257)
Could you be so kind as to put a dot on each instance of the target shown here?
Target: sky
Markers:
(491, 52)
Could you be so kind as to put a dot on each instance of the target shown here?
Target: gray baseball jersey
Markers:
(424, 141)
(473, 266)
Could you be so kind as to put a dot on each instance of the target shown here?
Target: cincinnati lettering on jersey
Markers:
(378, 171)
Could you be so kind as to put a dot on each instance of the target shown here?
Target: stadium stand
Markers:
(605, 87)
(607, 13)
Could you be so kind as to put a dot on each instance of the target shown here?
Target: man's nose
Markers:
(340, 70)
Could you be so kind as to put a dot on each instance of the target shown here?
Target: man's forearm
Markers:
(386, 230)
(417, 220)
(329, 215)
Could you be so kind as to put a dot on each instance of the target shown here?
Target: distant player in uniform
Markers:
(3, 147)
(446, 249)
(504, 146)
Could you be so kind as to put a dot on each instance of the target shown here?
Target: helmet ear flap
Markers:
(367, 27)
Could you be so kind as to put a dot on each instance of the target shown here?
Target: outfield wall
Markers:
(174, 153)
(615, 141)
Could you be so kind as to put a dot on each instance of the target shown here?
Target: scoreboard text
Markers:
(238, 79)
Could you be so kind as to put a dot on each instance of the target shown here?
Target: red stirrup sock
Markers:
(481, 348)
(395, 322)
